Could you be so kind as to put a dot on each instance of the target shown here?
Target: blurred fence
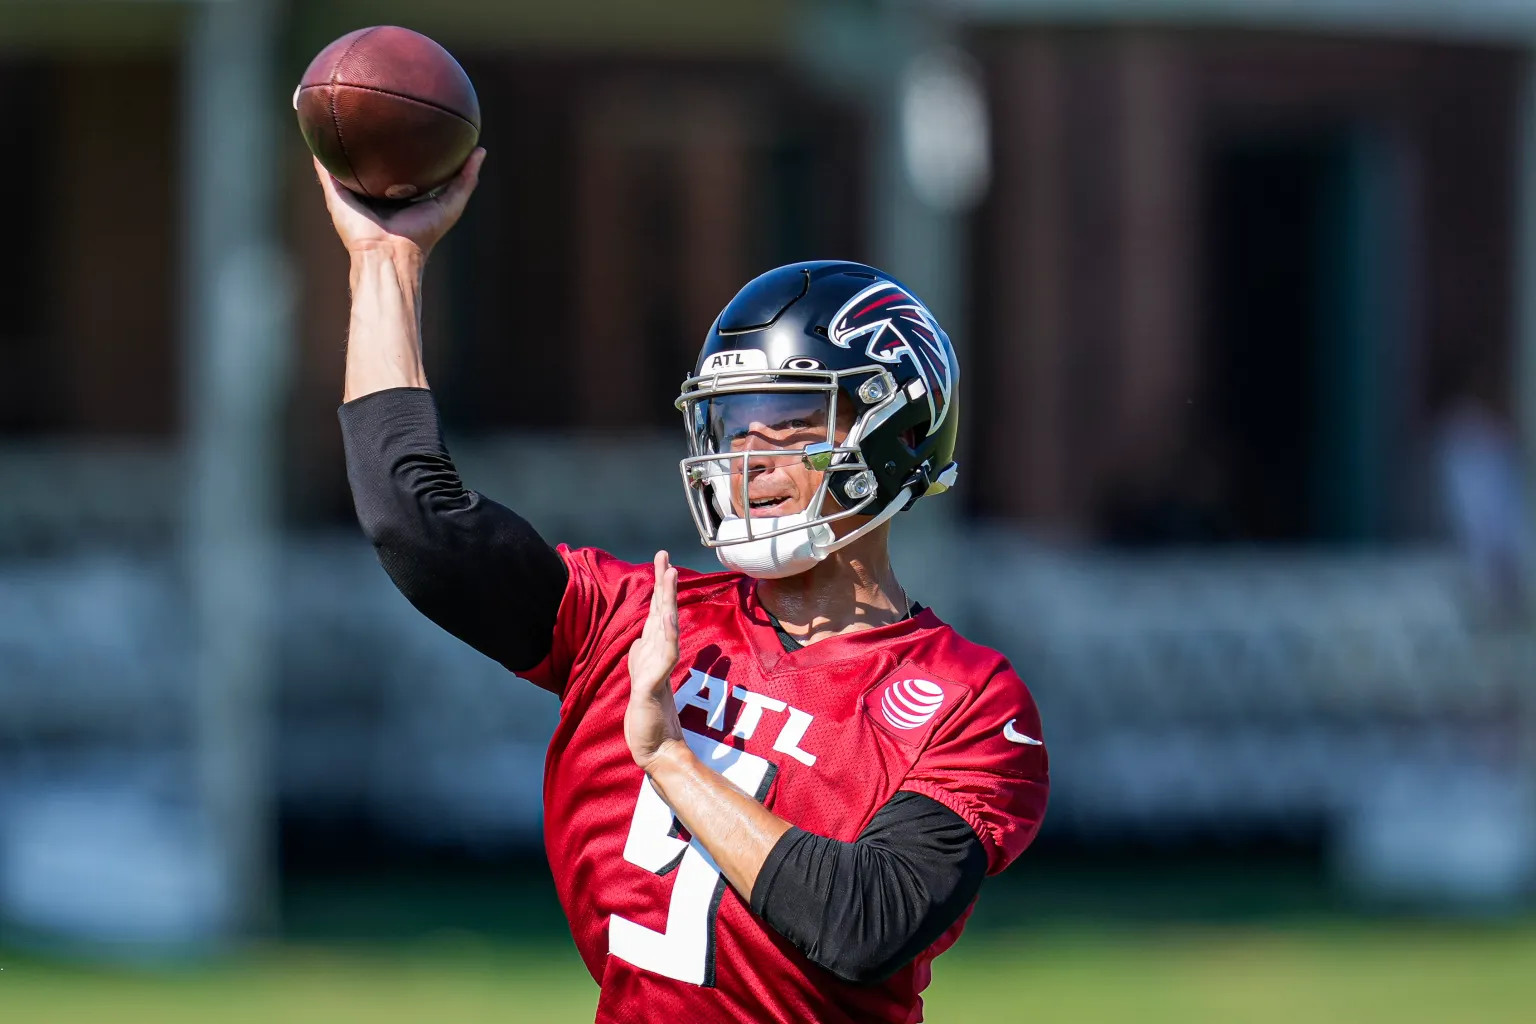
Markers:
(1270, 692)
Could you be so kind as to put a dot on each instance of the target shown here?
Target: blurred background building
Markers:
(1249, 392)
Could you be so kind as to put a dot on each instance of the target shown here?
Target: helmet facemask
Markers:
(742, 424)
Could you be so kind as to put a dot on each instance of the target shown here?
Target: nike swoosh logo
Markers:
(1013, 735)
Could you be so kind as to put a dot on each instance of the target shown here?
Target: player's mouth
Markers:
(762, 507)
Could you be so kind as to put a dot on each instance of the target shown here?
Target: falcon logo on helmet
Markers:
(896, 326)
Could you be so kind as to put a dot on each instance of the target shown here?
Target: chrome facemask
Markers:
(739, 422)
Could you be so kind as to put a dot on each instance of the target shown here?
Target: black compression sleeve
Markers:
(474, 567)
(864, 909)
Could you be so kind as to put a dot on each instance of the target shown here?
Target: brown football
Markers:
(389, 112)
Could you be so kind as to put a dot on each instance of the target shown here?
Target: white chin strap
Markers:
(805, 543)
(771, 558)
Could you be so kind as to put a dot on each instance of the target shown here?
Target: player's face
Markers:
(766, 423)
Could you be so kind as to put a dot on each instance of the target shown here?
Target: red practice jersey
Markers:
(823, 736)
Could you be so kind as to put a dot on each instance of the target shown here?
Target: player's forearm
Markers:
(384, 332)
(737, 831)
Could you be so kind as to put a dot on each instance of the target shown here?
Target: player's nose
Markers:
(757, 447)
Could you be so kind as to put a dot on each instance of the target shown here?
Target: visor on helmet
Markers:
(763, 420)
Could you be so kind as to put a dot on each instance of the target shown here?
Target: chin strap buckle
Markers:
(924, 481)
(918, 483)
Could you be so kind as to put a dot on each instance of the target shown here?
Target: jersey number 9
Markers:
(686, 950)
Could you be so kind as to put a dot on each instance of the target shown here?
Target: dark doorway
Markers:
(1304, 329)
(1264, 230)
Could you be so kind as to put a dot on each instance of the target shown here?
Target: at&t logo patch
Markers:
(911, 703)
(909, 709)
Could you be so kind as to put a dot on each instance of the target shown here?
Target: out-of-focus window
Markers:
(88, 272)
(26, 383)
(622, 206)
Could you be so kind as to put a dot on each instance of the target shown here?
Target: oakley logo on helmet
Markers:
(896, 326)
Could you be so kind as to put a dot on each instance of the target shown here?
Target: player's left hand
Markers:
(650, 721)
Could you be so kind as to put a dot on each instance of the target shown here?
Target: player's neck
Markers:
(854, 588)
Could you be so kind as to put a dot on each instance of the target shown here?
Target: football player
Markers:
(774, 791)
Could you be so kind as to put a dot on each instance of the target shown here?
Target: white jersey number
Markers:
(686, 950)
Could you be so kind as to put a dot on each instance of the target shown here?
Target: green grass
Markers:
(1354, 973)
(1066, 943)
(1326, 971)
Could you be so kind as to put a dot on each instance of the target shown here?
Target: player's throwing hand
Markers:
(419, 225)
(650, 721)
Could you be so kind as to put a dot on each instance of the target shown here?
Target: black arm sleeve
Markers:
(474, 567)
(864, 909)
